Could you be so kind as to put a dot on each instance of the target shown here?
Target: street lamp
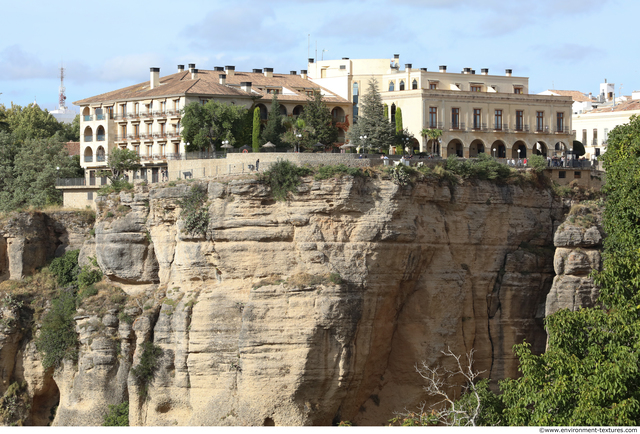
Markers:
(519, 156)
(494, 152)
(298, 136)
(224, 145)
(363, 139)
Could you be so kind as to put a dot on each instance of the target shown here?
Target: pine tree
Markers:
(274, 129)
(399, 120)
(319, 123)
(372, 121)
(255, 137)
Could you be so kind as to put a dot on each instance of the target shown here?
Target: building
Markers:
(145, 117)
(476, 112)
(581, 103)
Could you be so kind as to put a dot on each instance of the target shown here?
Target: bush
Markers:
(194, 213)
(325, 172)
(58, 339)
(484, 167)
(145, 371)
(399, 174)
(118, 415)
(538, 163)
(88, 277)
(284, 177)
(65, 268)
(15, 404)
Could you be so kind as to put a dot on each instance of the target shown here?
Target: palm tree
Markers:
(431, 134)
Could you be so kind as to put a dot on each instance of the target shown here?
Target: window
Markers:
(150, 129)
(124, 131)
(559, 122)
(562, 174)
(149, 149)
(355, 102)
(455, 118)
(176, 104)
(577, 174)
(163, 106)
(433, 85)
(137, 109)
(476, 88)
(517, 90)
(497, 120)
(414, 84)
(584, 136)
(606, 135)
(401, 84)
(519, 120)
(162, 130)
(393, 113)
(477, 118)
(136, 131)
(433, 117)
(90, 195)
(123, 109)
(595, 136)
(391, 86)
(539, 121)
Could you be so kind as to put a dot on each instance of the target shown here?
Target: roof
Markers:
(576, 95)
(620, 107)
(208, 84)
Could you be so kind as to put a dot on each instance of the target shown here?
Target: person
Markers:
(525, 161)
(257, 164)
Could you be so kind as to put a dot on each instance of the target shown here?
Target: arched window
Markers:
(393, 113)
(414, 84)
(401, 84)
(283, 110)
(263, 112)
(391, 86)
(355, 102)
(297, 110)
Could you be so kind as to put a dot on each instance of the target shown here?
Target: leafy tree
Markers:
(299, 127)
(120, 161)
(58, 339)
(274, 129)
(31, 122)
(319, 123)
(431, 134)
(206, 126)
(590, 373)
(69, 132)
(372, 122)
(284, 177)
(255, 137)
(399, 127)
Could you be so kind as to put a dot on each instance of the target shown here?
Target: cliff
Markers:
(304, 312)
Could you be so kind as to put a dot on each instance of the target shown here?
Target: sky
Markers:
(104, 46)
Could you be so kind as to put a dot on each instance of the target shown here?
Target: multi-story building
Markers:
(476, 112)
(146, 117)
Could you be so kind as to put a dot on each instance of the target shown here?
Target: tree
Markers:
(372, 122)
(69, 132)
(319, 123)
(399, 120)
(31, 122)
(590, 372)
(431, 134)
(298, 128)
(205, 127)
(274, 129)
(255, 137)
(120, 161)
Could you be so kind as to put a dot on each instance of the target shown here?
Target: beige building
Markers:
(146, 117)
(476, 112)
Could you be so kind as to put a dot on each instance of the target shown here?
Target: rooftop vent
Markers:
(293, 72)
(180, 68)
(268, 72)
(257, 71)
(192, 65)
(466, 71)
(408, 66)
(485, 71)
(154, 81)
(396, 56)
(508, 72)
(231, 70)
(218, 68)
(246, 86)
(423, 69)
(222, 78)
(303, 73)
(310, 59)
(345, 58)
(194, 73)
(443, 68)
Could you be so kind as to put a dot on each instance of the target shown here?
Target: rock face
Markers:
(578, 244)
(314, 310)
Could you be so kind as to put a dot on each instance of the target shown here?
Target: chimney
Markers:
(345, 58)
(473, 72)
(218, 68)
(192, 66)
(443, 68)
(194, 73)
(310, 59)
(180, 68)
(485, 71)
(408, 66)
(222, 78)
(423, 69)
(246, 86)
(268, 72)
(257, 71)
(466, 71)
(303, 73)
(508, 72)
(396, 57)
(231, 70)
(293, 72)
(155, 78)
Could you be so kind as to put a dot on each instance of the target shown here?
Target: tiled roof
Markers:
(208, 84)
(574, 94)
(620, 107)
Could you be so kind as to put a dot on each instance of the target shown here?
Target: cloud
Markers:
(570, 53)
(19, 65)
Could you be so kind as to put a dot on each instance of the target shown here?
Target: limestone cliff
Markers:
(303, 312)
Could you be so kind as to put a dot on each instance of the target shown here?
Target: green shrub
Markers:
(538, 163)
(118, 415)
(58, 339)
(484, 167)
(15, 404)
(88, 277)
(88, 291)
(145, 371)
(325, 172)
(194, 213)
(335, 278)
(65, 268)
(284, 177)
(399, 174)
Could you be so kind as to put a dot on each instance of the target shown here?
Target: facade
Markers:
(476, 112)
(581, 103)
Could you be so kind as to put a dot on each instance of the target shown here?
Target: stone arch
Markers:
(476, 147)
(100, 136)
(337, 114)
(455, 147)
(560, 148)
(401, 86)
(264, 113)
(393, 113)
(86, 113)
(100, 154)
(519, 145)
(297, 110)
(44, 399)
(414, 84)
(392, 86)
(540, 148)
(500, 149)
(283, 110)
(88, 154)
(88, 134)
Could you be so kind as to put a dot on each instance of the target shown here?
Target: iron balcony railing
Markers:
(542, 128)
(87, 118)
(520, 128)
(338, 118)
(435, 125)
(88, 158)
(100, 137)
(562, 130)
(70, 182)
(88, 138)
(100, 158)
(457, 126)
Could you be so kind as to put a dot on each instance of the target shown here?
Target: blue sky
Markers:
(561, 44)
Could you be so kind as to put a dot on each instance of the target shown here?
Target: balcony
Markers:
(522, 128)
(435, 125)
(160, 114)
(88, 158)
(101, 117)
(87, 118)
(337, 119)
(477, 126)
(100, 158)
(457, 126)
(561, 130)
(88, 138)
(497, 126)
(100, 138)
(542, 129)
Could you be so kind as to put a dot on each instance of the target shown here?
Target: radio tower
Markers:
(62, 97)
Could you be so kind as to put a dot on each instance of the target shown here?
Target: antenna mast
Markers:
(61, 96)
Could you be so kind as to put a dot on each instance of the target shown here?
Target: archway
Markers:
(500, 149)
(433, 146)
(476, 147)
(88, 154)
(88, 134)
(283, 110)
(560, 149)
(100, 154)
(455, 147)
(297, 110)
(540, 148)
(100, 136)
(263, 112)
(86, 114)
(519, 146)
(337, 114)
